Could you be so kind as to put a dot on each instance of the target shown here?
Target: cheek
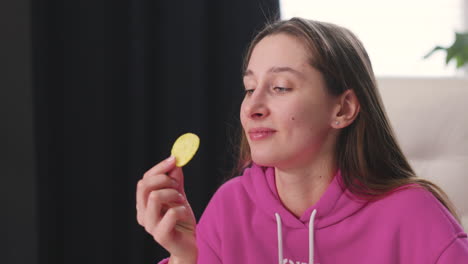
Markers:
(296, 121)
(308, 117)
(298, 115)
(242, 115)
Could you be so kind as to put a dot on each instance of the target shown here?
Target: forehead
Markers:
(279, 50)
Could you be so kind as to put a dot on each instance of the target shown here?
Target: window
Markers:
(397, 34)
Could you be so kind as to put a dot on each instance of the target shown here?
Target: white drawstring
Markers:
(280, 238)
(311, 237)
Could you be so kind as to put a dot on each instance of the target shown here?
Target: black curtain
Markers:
(114, 84)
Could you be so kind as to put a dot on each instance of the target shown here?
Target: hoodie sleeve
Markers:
(164, 261)
(456, 251)
(206, 254)
(213, 223)
(208, 233)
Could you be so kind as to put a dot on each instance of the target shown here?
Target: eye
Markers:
(249, 91)
(281, 89)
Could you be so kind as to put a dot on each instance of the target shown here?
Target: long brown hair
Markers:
(367, 152)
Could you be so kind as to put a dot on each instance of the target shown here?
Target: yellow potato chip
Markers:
(184, 148)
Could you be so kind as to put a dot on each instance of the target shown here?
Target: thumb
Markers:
(178, 175)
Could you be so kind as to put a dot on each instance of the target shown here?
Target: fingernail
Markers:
(170, 159)
(181, 197)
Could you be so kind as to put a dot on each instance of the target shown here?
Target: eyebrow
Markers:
(275, 69)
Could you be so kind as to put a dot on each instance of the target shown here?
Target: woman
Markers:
(323, 178)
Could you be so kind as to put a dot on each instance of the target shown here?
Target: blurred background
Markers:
(94, 93)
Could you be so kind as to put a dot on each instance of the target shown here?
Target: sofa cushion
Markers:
(430, 120)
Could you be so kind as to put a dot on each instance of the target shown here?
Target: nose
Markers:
(255, 106)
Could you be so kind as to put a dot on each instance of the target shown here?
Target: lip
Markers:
(260, 133)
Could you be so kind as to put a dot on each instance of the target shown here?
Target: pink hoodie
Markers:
(245, 222)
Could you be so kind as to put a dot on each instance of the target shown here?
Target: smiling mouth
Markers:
(260, 133)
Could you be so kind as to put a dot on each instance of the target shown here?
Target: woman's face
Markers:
(286, 113)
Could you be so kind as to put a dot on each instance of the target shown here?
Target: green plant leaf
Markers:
(451, 52)
(433, 50)
(458, 51)
(465, 55)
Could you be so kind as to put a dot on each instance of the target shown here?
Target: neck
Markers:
(301, 187)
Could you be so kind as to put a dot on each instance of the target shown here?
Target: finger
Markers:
(148, 184)
(145, 187)
(172, 221)
(140, 203)
(178, 175)
(162, 167)
(158, 202)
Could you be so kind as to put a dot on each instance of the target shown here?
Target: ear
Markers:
(346, 109)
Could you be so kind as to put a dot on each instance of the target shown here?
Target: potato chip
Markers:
(184, 148)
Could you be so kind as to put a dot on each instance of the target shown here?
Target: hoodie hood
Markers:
(336, 204)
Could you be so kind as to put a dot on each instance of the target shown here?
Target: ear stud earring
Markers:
(337, 122)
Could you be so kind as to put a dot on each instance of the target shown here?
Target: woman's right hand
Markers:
(164, 212)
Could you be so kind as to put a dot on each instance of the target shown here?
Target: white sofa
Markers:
(430, 119)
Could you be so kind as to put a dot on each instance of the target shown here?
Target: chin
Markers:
(264, 160)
